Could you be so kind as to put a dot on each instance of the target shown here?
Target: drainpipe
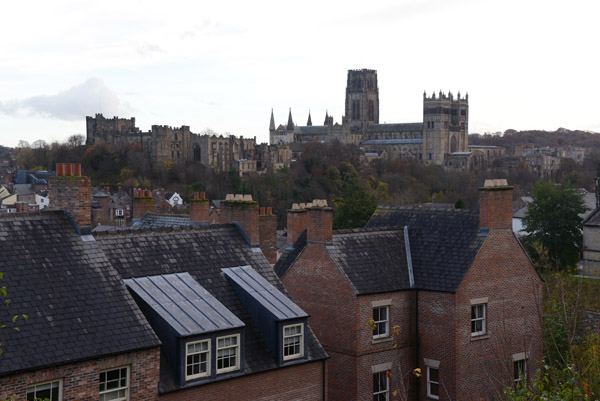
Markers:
(417, 339)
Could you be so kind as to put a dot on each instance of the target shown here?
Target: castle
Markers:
(442, 138)
(179, 145)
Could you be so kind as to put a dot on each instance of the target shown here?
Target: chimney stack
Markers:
(297, 220)
(244, 210)
(69, 190)
(495, 204)
(143, 202)
(267, 231)
(199, 207)
(320, 222)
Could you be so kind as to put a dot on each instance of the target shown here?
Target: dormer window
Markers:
(197, 357)
(293, 341)
(228, 353)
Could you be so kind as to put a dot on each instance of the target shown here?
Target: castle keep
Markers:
(442, 137)
(179, 145)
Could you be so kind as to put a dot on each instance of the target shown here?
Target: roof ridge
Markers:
(32, 213)
(132, 230)
(426, 209)
(359, 230)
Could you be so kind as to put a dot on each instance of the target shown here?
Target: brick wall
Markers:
(436, 340)
(374, 352)
(316, 285)
(80, 380)
(502, 273)
(294, 383)
(267, 227)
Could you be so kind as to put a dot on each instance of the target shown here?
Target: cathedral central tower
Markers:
(362, 98)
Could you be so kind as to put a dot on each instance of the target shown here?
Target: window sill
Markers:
(480, 337)
(381, 340)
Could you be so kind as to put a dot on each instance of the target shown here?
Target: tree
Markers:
(553, 221)
(356, 204)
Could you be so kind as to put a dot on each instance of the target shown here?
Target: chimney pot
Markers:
(262, 210)
(202, 195)
(239, 197)
(196, 195)
(247, 197)
(229, 197)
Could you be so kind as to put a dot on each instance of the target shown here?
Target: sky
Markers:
(223, 65)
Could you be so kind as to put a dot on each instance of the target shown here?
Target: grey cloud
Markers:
(85, 99)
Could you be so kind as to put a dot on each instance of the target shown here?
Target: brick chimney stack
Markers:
(69, 190)
(297, 220)
(199, 207)
(495, 204)
(267, 231)
(143, 202)
(244, 210)
(320, 222)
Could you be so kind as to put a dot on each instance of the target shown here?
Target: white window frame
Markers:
(49, 383)
(300, 354)
(385, 322)
(430, 382)
(386, 390)
(237, 353)
(521, 357)
(119, 212)
(126, 387)
(482, 319)
(200, 353)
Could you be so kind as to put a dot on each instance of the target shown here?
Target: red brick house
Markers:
(451, 292)
(186, 313)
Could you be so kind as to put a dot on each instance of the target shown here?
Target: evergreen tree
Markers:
(553, 221)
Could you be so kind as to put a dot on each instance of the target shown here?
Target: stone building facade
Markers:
(442, 137)
(180, 145)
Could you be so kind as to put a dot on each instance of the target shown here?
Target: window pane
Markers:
(434, 389)
(434, 375)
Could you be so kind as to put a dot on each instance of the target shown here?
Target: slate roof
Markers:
(391, 141)
(399, 127)
(152, 220)
(372, 260)
(593, 219)
(202, 252)
(289, 255)
(77, 305)
(443, 243)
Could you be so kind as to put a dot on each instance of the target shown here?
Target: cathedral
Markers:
(442, 138)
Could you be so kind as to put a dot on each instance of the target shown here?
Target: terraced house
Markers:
(450, 292)
(186, 313)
